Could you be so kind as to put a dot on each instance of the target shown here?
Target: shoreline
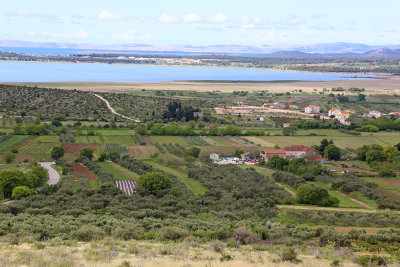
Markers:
(203, 66)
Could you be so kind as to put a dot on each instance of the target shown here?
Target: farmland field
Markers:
(128, 140)
(196, 187)
(169, 139)
(87, 139)
(40, 148)
(82, 170)
(259, 141)
(195, 141)
(15, 140)
(121, 149)
(75, 148)
(142, 150)
(117, 175)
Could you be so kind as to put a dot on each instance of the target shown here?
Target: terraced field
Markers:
(118, 175)
(13, 141)
(40, 149)
(169, 139)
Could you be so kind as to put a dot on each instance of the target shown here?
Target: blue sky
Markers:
(205, 22)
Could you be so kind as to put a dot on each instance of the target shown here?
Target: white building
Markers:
(214, 157)
(312, 109)
(333, 112)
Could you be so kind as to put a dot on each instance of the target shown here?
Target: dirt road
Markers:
(112, 110)
(54, 177)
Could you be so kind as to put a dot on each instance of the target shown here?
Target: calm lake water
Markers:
(61, 72)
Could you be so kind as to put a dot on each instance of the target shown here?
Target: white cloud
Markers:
(29, 14)
(108, 15)
(131, 35)
(81, 34)
(191, 18)
(218, 18)
(245, 19)
(167, 18)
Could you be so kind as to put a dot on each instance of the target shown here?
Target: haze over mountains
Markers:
(339, 49)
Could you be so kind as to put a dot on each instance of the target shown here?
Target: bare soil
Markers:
(75, 148)
(81, 170)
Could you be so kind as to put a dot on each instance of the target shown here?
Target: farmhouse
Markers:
(287, 125)
(247, 156)
(297, 151)
(333, 112)
(312, 109)
(267, 154)
(373, 114)
(214, 157)
(288, 152)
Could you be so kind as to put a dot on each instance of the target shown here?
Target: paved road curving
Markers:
(54, 176)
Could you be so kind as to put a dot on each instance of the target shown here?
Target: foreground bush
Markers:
(371, 261)
(88, 233)
(172, 233)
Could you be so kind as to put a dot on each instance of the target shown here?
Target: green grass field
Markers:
(87, 139)
(15, 140)
(128, 173)
(169, 139)
(116, 174)
(194, 185)
(40, 149)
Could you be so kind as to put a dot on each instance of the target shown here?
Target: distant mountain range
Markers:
(314, 50)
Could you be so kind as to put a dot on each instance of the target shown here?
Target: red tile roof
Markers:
(297, 148)
(274, 151)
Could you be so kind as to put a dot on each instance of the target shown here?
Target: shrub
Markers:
(244, 236)
(154, 182)
(218, 246)
(20, 192)
(226, 257)
(127, 232)
(371, 261)
(9, 157)
(88, 233)
(289, 254)
(172, 233)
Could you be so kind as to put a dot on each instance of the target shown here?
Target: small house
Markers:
(333, 112)
(312, 109)
(214, 157)
(247, 156)
(287, 125)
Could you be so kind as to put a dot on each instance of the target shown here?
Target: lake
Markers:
(65, 72)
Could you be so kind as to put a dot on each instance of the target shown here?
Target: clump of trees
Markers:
(315, 195)
(154, 182)
(11, 180)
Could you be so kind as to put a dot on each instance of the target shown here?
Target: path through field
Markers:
(54, 177)
(111, 109)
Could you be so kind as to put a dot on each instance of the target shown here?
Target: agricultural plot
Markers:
(128, 140)
(259, 141)
(40, 148)
(142, 150)
(195, 141)
(121, 149)
(76, 148)
(169, 139)
(218, 141)
(389, 187)
(148, 140)
(111, 170)
(81, 170)
(209, 140)
(13, 141)
(126, 186)
(87, 139)
(196, 187)
(341, 141)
